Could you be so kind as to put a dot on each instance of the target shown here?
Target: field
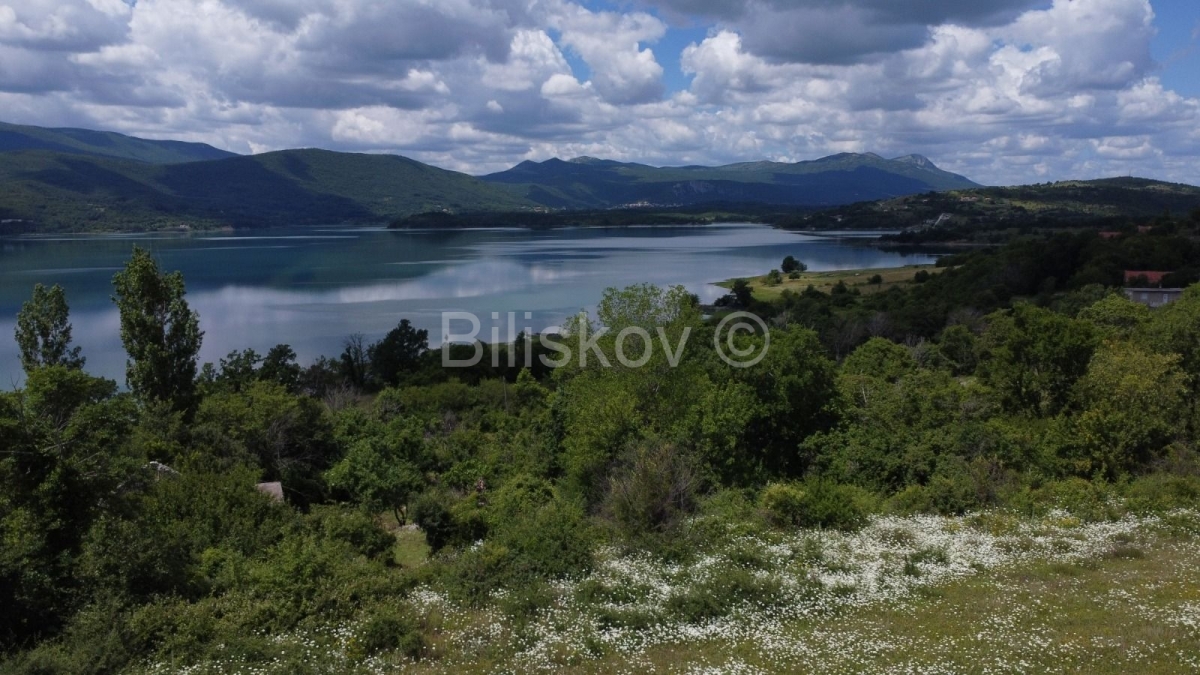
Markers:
(826, 281)
(984, 593)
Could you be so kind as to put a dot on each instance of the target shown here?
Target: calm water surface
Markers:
(311, 288)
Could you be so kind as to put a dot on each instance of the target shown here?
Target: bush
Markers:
(431, 513)
(1087, 500)
(651, 493)
(1160, 493)
(817, 503)
(387, 629)
(553, 541)
(716, 595)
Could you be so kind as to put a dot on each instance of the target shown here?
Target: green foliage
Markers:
(1131, 406)
(794, 394)
(1163, 493)
(133, 532)
(881, 359)
(1033, 357)
(379, 474)
(718, 595)
(791, 265)
(431, 512)
(289, 436)
(44, 332)
(160, 333)
(387, 629)
(1116, 317)
(959, 346)
(774, 278)
(398, 353)
(816, 503)
(651, 492)
(742, 292)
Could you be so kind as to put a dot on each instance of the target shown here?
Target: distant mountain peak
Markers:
(917, 160)
(584, 159)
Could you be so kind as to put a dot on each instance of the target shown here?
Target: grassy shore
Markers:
(825, 281)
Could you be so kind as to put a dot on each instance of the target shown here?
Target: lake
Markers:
(311, 288)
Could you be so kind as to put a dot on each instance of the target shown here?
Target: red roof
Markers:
(1154, 278)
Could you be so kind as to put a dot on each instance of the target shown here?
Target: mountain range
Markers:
(80, 180)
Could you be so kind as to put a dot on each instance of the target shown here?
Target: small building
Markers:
(1153, 297)
(1109, 234)
(1145, 277)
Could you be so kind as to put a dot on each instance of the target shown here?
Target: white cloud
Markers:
(1001, 90)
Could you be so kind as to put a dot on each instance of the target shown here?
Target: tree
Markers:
(398, 353)
(880, 358)
(160, 332)
(1132, 404)
(379, 475)
(353, 363)
(790, 264)
(774, 278)
(44, 333)
(1032, 357)
(279, 366)
(742, 292)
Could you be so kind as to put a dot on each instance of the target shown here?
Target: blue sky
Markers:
(1177, 45)
(1003, 91)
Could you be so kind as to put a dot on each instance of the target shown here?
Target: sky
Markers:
(1002, 91)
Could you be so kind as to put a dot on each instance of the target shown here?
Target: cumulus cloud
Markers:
(1001, 90)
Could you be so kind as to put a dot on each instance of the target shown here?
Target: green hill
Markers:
(587, 182)
(43, 191)
(105, 144)
(1105, 202)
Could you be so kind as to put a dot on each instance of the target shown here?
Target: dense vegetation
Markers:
(693, 215)
(134, 536)
(994, 213)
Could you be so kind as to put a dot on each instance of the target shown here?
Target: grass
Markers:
(825, 281)
(1122, 613)
(922, 594)
(410, 550)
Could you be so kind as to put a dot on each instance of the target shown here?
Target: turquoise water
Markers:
(311, 288)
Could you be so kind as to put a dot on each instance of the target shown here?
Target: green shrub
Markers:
(1160, 493)
(352, 527)
(817, 503)
(717, 595)
(1087, 500)
(784, 503)
(384, 630)
(553, 541)
(431, 512)
(651, 492)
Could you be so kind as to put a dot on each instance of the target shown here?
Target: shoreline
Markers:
(825, 281)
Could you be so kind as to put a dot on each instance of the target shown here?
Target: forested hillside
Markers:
(45, 191)
(1112, 203)
(1014, 409)
(105, 144)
